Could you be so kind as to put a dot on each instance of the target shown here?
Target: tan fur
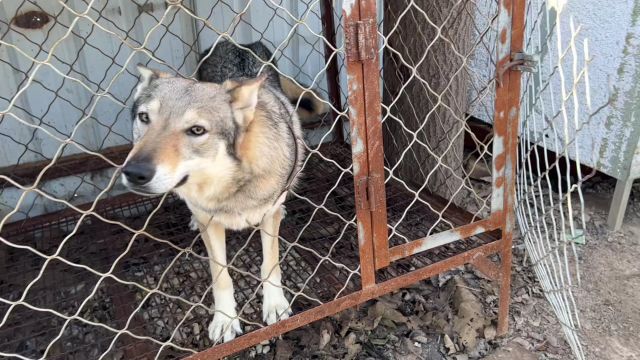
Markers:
(294, 91)
(169, 154)
(224, 187)
(250, 147)
(244, 95)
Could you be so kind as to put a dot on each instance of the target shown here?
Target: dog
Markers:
(229, 60)
(231, 151)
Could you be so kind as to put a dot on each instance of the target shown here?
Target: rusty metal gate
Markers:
(390, 194)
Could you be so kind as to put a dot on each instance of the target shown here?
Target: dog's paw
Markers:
(225, 326)
(193, 224)
(275, 306)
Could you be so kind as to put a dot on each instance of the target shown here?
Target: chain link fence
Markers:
(91, 271)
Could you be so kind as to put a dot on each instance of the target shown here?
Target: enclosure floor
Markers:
(158, 292)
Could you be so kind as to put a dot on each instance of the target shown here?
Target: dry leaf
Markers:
(352, 347)
(451, 347)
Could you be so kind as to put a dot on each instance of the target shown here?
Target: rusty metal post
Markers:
(373, 109)
(359, 141)
(506, 124)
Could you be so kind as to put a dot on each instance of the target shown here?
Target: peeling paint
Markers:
(504, 24)
(347, 6)
(498, 149)
(358, 144)
(361, 238)
(497, 196)
(439, 239)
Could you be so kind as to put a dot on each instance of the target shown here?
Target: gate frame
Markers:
(366, 141)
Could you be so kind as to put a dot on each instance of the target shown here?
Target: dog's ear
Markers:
(147, 76)
(244, 98)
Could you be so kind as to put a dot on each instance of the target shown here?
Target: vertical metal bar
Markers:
(357, 121)
(506, 125)
(333, 79)
(373, 110)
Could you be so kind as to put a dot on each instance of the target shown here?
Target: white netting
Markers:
(555, 107)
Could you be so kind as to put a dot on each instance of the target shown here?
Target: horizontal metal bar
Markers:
(66, 165)
(333, 307)
(442, 238)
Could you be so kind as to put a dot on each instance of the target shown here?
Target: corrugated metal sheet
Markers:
(85, 92)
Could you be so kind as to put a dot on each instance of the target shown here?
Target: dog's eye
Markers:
(143, 117)
(197, 130)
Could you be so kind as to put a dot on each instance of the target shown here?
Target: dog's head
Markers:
(183, 131)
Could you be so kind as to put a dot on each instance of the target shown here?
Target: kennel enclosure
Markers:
(398, 185)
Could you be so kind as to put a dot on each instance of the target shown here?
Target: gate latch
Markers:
(522, 62)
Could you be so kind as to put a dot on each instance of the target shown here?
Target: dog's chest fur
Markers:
(245, 185)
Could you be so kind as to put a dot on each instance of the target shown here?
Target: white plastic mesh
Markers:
(555, 106)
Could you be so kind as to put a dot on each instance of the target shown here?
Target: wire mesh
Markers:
(438, 80)
(89, 271)
(556, 105)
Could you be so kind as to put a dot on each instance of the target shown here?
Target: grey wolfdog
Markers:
(230, 151)
(229, 60)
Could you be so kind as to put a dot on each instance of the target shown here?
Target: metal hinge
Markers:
(522, 62)
(370, 192)
(361, 40)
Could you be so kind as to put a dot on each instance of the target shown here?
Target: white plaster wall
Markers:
(604, 140)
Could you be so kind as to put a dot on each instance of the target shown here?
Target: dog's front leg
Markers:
(225, 321)
(274, 304)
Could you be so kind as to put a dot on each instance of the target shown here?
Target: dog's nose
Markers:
(139, 173)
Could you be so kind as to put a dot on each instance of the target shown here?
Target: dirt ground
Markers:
(609, 296)
(453, 316)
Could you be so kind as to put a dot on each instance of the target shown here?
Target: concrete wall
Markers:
(606, 139)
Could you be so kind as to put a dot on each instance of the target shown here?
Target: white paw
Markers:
(275, 306)
(193, 224)
(224, 325)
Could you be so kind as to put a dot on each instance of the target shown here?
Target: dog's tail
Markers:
(310, 103)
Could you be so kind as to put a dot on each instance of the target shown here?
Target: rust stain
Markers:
(486, 267)
(32, 20)
(503, 36)
(499, 161)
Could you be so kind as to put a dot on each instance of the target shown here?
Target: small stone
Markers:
(421, 339)
(196, 328)
(266, 349)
